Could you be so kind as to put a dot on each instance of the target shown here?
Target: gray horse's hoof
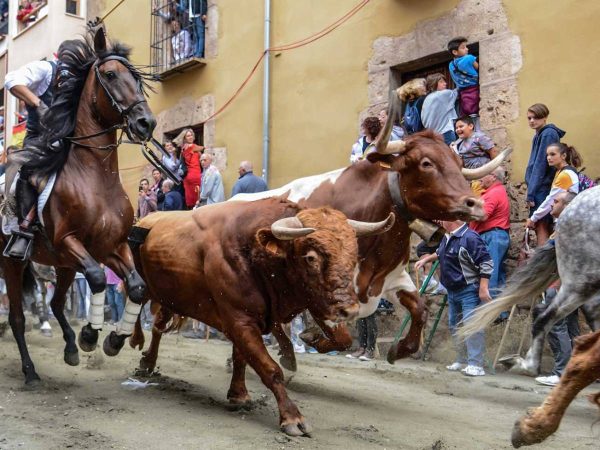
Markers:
(288, 363)
(113, 344)
(72, 359)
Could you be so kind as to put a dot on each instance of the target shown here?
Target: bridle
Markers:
(123, 111)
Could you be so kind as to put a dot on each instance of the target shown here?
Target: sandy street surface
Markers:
(350, 404)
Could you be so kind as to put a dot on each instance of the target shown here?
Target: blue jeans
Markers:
(497, 242)
(461, 305)
(198, 28)
(115, 301)
(81, 284)
(449, 137)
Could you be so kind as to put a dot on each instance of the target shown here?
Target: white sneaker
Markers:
(550, 380)
(473, 371)
(455, 367)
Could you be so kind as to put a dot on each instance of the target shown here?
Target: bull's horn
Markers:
(289, 228)
(392, 147)
(368, 228)
(480, 172)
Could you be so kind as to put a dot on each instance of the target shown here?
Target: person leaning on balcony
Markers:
(181, 42)
(196, 11)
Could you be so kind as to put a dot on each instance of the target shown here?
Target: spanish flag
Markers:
(18, 134)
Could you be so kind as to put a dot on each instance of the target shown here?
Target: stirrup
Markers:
(15, 236)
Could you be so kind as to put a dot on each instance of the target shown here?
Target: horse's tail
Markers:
(528, 281)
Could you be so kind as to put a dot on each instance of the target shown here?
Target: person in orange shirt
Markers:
(565, 159)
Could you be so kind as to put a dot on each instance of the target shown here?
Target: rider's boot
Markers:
(26, 211)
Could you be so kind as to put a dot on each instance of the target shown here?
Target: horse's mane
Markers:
(48, 153)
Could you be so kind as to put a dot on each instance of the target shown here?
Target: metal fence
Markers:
(177, 35)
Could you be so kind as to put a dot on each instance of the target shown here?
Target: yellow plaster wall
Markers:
(561, 58)
(317, 91)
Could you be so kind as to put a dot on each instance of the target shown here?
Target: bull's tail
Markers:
(527, 282)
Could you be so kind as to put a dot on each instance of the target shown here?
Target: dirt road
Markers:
(350, 404)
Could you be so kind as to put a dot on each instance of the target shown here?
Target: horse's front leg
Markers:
(336, 336)
(286, 349)
(121, 262)
(94, 275)
(64, 279)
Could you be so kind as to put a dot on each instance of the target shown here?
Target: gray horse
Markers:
(575, 259)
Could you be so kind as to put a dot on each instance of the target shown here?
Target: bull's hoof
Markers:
(146, 366)
(311, 335)
(391, 355)
(288, 362)
(137, 340)
(239, 402)
(88, 338)
(301, 428)
(113, 344)
(72, 358)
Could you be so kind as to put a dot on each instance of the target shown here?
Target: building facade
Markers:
(529, 52)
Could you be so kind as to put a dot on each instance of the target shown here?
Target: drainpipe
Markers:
(266, 92)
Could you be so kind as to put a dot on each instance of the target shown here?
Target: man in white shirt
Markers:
(33, 84)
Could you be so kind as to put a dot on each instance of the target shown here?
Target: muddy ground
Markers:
(350, 404)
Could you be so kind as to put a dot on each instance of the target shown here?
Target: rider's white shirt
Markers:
(36, 75)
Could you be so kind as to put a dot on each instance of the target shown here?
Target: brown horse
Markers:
(88, 215)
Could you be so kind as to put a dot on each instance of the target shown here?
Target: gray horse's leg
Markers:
(591, 312)
(567, 300)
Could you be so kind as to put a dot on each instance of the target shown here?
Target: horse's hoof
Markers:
(72, 358)
(113, 344)
(33, 382)
(87, 339)
(297, 429)
(517, 438)
(509, 361)
(289, 363)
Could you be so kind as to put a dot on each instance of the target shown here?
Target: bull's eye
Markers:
(426, 164)
(311, 258)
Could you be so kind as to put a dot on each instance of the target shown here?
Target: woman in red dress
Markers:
(190, 155)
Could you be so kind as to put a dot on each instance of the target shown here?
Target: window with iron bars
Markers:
(177, 34)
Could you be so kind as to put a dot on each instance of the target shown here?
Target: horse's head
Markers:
(118, 93)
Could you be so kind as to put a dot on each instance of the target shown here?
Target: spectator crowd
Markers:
(472, 256)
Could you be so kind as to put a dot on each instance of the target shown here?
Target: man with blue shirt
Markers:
(173, 200)
(464, 70)
(465, 268)
(248, 183)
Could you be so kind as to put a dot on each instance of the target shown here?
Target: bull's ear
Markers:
(272, 245)
(385, 161)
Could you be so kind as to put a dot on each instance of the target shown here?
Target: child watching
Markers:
(475, 148)
(464, 70)
(465, 271)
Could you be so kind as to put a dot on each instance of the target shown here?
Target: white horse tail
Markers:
(526, 282)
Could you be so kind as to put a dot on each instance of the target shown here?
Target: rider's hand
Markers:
(41, 109)
(484, 294)
(530, 224)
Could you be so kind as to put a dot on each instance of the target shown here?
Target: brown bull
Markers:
(241, 267)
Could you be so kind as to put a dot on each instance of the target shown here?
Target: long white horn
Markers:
(369, 228)
(480, 172)
(289, 228)
(392, 147)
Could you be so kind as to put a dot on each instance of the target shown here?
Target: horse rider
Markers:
(33, 83)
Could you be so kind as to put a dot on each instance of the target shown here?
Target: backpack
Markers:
(412, 118)
(585, 182)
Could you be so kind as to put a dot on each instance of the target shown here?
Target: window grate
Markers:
(177, 34)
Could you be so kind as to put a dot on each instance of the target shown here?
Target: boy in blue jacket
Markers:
(465, 269)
